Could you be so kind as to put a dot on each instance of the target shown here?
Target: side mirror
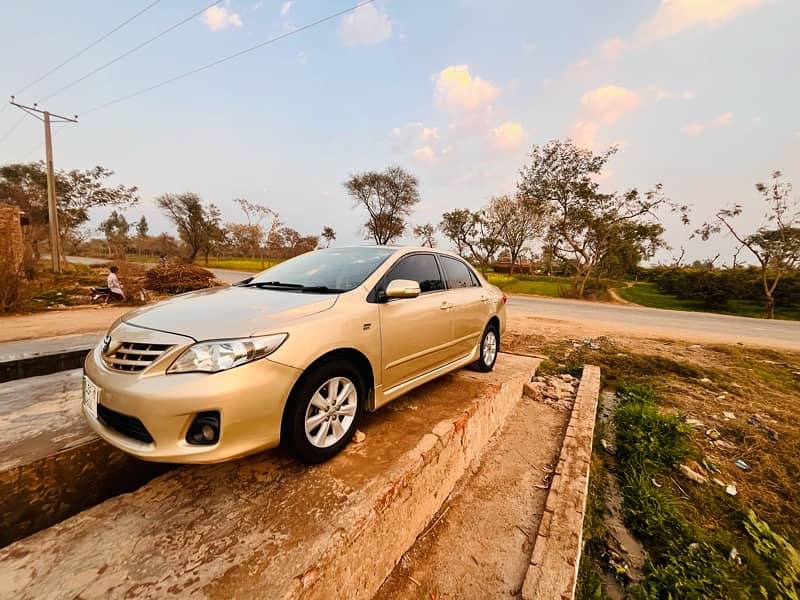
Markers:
(402, 288)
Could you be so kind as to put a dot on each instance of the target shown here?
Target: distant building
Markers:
(12, 241)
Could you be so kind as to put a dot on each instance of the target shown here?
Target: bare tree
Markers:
(257, 215)
(389, 197)
(677, 261)
(518, 223)
(426, 234)
(776, 247)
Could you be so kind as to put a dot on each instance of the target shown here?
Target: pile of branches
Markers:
(178, 278)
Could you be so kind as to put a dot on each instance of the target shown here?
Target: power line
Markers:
(89, 47)
(129, 52)
(12, 129)
(227, 58)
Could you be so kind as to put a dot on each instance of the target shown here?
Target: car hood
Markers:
(229, 312)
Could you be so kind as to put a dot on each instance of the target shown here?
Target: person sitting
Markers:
(114, 285)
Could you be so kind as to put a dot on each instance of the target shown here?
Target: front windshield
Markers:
(340, 269)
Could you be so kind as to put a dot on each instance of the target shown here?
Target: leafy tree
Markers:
(243, 239)
(426, 234)
(116, 229)
(198, 225)
(25, 185)
(287, 242)
(776, 247)
(389, 197)
(142, 228)
(329, 235)
(518, 223)
(474, 233)
(561, 180)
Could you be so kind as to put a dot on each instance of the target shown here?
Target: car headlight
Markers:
(220, 355)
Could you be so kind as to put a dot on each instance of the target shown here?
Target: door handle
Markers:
(445, 306)
(484, 299)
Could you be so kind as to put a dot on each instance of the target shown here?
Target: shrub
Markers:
(10, 287)
(178, 278)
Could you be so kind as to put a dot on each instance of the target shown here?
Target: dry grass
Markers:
(745, 381)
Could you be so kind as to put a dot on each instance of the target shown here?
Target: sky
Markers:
(700, 95)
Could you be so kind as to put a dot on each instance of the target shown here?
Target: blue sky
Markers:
(701, 95)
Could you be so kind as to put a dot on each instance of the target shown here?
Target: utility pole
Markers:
(52, 210)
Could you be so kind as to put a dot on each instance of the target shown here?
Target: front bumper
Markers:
(249, 398)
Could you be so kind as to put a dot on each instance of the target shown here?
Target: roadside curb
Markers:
(553, 568)
(43, 364)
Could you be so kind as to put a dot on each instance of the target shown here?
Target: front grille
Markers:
(124, 424)
(132, 357)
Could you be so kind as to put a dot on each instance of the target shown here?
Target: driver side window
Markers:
(421, 268)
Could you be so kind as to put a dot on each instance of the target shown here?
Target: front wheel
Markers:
(490, 346)
(324, 411)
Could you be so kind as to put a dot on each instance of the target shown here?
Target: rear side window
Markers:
(421, 268)
(457, 274)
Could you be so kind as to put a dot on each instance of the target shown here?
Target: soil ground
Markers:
(59, 322)
(481, 544)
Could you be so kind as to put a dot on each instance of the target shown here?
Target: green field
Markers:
(556, 287)
(647, 294)
(251, 265)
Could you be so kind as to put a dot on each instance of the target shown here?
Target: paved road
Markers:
(615, 318)
(661, 323)
(226, 275)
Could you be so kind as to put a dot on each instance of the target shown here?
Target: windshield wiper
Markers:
(278, 285)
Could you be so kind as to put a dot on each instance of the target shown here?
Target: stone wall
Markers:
(12, 246)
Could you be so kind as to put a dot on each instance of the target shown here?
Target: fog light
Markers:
(204, 430)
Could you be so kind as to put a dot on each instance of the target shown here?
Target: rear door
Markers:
(416, 333)
(470, 303)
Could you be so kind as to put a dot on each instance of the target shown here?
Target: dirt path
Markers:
(59, 322)
(481, 545)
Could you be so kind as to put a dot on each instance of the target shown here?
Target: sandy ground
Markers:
(59, 322)
(481, 545)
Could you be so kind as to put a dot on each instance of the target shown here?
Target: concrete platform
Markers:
(269, 527)
(51, 464)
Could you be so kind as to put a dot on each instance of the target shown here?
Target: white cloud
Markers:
(659, 92)
(611, 49)
(286, 7)
(302, 58)
(675, 16)
(600, 107)
(507, 136)
(365, 26)
(218, 18)
(456, 90)
(696, 128)
(424, 154)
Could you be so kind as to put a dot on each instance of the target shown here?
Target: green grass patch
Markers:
(647, 294)
(556, 287)
(688, 560)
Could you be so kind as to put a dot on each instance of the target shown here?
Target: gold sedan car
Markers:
(294, 355)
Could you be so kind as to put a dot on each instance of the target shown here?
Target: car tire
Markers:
(489, 349)
(316, 428)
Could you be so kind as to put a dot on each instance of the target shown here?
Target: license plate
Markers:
(90, 394)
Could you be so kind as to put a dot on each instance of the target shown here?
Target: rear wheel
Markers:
(490, 346)
(324, 411)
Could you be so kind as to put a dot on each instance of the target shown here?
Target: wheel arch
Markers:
(352, 355)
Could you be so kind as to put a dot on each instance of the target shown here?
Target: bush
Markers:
(178, 278)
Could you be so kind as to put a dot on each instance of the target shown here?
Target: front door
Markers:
(416, 333)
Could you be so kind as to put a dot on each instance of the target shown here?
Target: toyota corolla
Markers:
(292, 356)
